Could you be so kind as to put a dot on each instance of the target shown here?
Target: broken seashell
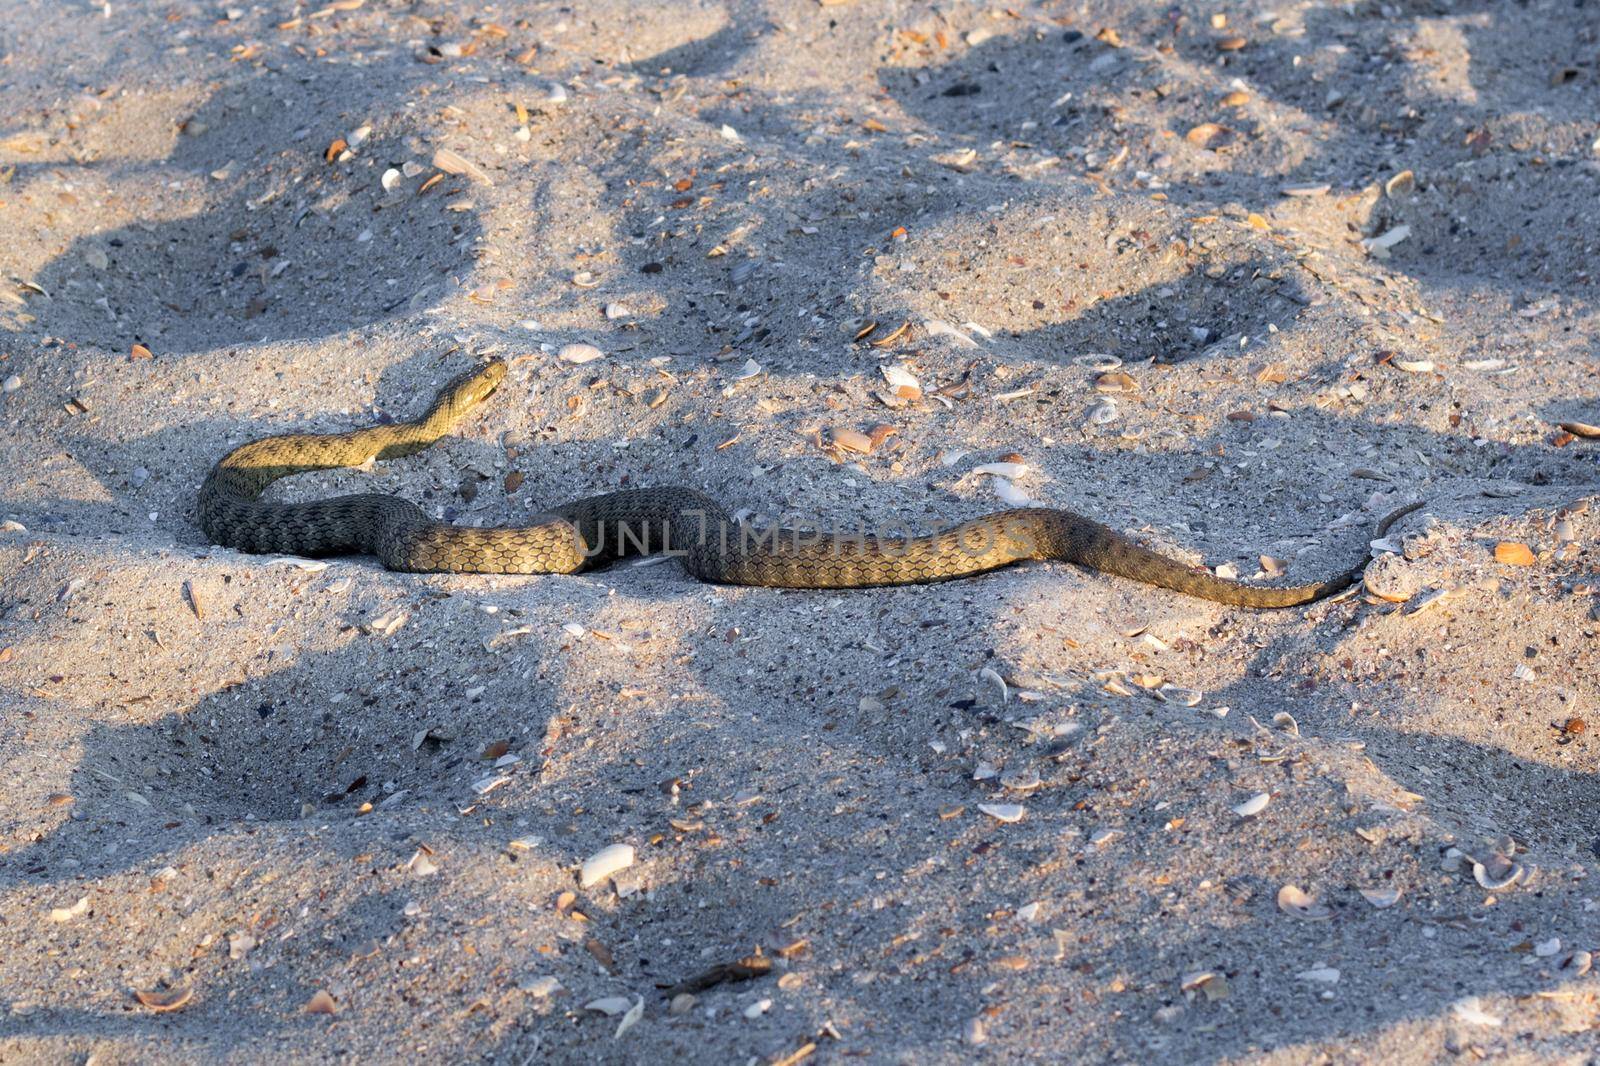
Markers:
(961, 160)
(1213, 985)
(452, 162)
(602, 864)
(1295, 901)
(935, 327)
(1254, 805)
(1499, 872)
(164, 999)
(1187, 697)
(1378, 247)
(578, 354)
(903, 383)
(1012, 470)
(1576, 964)
(1381, 898)
(1468, 1010)
(1023, 780)
(1011, 495)
(66, 914)
(1097, 361)
(1003, 812)
(609, 1005)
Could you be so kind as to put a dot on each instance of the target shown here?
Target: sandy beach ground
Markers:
(1233, 278)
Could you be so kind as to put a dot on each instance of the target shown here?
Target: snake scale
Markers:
(712, 544)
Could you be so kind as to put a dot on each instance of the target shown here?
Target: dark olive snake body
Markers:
(712, 544)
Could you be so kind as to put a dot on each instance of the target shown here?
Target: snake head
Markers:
(475, 386)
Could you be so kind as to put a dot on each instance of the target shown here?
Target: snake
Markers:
(713, 545)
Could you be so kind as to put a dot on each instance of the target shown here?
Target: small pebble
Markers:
(12, 383)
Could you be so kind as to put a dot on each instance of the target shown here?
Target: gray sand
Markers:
(265, 781)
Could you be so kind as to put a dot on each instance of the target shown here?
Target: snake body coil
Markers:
(600, 529)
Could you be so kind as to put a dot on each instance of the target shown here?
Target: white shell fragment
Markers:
(1499, 872)
(1575, 964)
(1104, 414)
(66, 914)
(1381, 898)
(541, 987)
(452, 162)
(1021, 780)
(1378, 247)
(1012, 470)
(939, 328)
(1187, 697)
(1097, 361)
(1003, 812)
(1322, 975)
(578, 354)
(605, 862)
(1468, 1010)
(1297, 902)
(1010, 495)
(485, 785)
(609, 1005)
(902, 382)
(630, 1019)
(1254, 805)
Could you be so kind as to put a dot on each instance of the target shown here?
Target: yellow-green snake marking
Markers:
(600, 529)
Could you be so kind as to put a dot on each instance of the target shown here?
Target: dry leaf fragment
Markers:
(1513, 553)
(335, 149)
(164, 999)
